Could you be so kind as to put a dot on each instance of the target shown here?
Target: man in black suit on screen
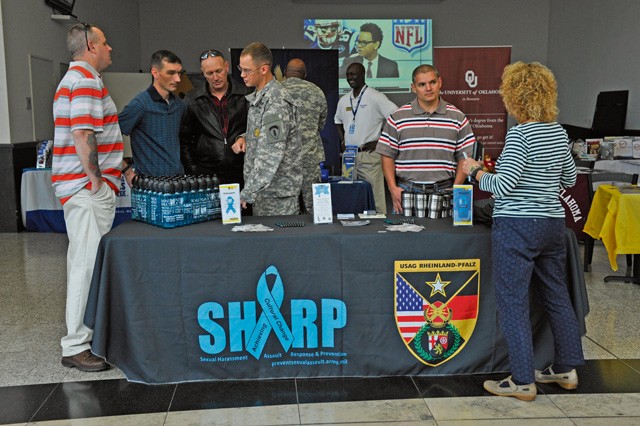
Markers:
(368, 42)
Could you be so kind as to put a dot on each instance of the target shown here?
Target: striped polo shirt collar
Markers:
(85, 65)
(417, 109)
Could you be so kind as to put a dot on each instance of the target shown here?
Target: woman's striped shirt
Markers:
(535, 164)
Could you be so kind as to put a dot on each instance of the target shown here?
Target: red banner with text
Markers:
(470, 80)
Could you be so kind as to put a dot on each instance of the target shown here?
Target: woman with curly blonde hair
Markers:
(528, 230)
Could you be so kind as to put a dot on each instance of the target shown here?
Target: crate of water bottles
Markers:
(170, 202)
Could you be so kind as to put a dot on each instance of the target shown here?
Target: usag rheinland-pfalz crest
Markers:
(411, 34)
(436, 306)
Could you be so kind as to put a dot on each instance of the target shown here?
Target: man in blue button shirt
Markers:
(152, 119)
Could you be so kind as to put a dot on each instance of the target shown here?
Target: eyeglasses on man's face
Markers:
(210, 54)
(247, 71)
(363, 43)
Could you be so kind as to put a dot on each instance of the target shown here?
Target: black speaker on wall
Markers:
(610, 116)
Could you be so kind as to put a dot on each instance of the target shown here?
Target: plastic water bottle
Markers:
(201, 197)
(215, 197)
(193, 192)
(208, 191)
(180, 201)
(145, 199)
(167, 204)
(154, 206)
(135, 214)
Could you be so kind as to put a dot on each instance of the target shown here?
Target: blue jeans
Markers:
(524, 248)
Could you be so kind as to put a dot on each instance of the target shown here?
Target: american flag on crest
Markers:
(409, 307)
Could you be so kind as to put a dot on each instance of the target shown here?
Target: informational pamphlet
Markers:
(349, 163)
(230, 204)
(322, 208)
(462, 205)
(636, 147)
(623, 148)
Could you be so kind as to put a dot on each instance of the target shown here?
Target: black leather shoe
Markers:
(85, 361)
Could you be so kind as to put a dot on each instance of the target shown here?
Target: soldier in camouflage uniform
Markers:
(312, 114)
(273, 159)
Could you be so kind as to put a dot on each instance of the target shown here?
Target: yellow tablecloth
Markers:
(615, 218)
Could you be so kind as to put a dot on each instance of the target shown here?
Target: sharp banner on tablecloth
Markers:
(302, 334)
(436, 306)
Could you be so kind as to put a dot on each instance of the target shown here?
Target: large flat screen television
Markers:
(64, 6)
(389, 49)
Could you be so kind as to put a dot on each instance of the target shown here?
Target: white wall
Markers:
(123, 87)
(590, 44)
(29, 30)
(594, 47)
(5, 133)
(191, 26)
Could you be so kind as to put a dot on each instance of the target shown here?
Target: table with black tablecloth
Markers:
(205, 303)
(42, 211)
(351, 197)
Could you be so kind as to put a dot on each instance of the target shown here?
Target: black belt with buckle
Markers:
(368, 146)
(438, 186)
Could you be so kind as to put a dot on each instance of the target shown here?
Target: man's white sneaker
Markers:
(506, 387)
(568, 381)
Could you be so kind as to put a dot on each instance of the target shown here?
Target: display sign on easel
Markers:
(322, 208)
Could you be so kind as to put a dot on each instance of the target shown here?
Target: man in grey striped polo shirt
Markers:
(424, 142)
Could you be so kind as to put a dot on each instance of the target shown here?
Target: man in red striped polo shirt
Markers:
(86, 169)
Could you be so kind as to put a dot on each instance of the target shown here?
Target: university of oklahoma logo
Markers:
(411, 34)
(436, 306)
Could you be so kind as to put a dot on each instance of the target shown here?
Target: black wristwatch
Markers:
(128, 166)
(474, 172)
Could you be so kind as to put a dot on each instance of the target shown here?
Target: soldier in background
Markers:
(312, 115)
(273, 150)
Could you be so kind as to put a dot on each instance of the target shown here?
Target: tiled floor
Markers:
(36, 389)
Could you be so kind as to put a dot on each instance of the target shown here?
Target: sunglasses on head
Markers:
(87, 28)
(209, 54)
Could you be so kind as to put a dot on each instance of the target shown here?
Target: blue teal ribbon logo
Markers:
(271, 317)
(322, 189)
(230, 207)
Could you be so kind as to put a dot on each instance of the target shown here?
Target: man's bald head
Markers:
(296, 68)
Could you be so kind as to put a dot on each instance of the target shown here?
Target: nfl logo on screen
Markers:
(410, 34)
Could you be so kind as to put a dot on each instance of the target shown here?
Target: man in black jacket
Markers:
(215, 120)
